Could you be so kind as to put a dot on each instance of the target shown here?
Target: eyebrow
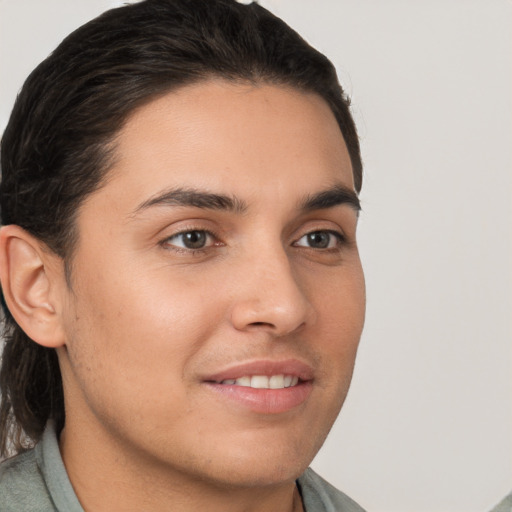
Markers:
(334, 196)
(195, 198)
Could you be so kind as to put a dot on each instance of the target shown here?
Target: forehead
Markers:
(221, 135)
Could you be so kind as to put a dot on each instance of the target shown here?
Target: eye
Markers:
(193, 239)
(320, 240)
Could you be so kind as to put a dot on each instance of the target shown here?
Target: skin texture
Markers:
(147, 320)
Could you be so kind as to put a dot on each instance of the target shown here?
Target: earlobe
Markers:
(29, 279)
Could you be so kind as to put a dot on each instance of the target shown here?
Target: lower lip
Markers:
(264, 401)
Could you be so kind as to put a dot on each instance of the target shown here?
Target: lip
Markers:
(263, 401)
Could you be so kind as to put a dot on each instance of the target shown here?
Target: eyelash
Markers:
(166, 243)
(340, 239)
(188, 250)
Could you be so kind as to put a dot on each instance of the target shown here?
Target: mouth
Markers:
(263, 381)
(264, 387)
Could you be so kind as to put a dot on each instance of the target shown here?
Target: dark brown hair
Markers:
(57, 147)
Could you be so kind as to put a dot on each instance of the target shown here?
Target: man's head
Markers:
(181, 182)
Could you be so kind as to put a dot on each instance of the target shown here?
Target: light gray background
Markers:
(427, 426)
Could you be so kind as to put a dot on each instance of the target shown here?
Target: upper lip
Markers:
(292, 367)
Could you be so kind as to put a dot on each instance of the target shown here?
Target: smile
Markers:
(263, 381)
(262, 386)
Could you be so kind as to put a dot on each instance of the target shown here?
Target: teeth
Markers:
(264, 382)
(259, 382)
(276, 382)
(243, 381)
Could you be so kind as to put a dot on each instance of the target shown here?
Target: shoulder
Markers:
(22, 486)
(505, 505)
(320, 496)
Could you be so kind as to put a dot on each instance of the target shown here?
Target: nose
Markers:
(270, 296)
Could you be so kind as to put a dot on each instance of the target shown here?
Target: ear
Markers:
(31, 277)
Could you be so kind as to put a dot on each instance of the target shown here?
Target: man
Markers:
(184, 295)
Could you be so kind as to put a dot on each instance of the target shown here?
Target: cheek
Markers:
(160, 306)
(136, 335)
(340, 306)
(340, 301)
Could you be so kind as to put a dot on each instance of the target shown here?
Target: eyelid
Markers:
(165, 242)
(340, 237)
(213, 239)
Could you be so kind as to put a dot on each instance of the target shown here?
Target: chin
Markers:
(266, 466)
(260, 475)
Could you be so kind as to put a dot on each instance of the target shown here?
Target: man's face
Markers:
(218, 261)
